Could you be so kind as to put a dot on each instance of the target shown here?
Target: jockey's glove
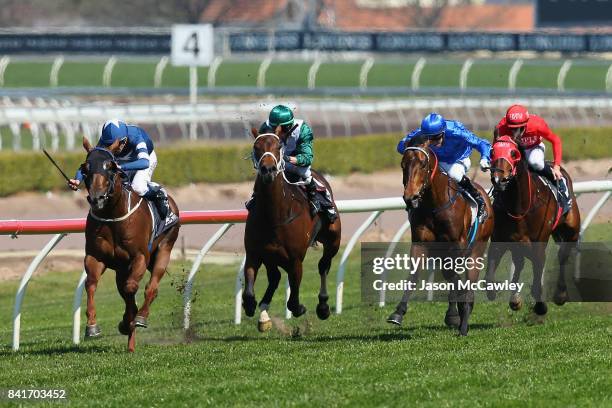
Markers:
(485, 164)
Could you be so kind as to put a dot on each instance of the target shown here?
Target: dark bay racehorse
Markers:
(280, 229)
(439, 213)
(526, 213)
(117, 236)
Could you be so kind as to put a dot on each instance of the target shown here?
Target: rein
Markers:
(521, 216)
(130, 211)
(424, 151)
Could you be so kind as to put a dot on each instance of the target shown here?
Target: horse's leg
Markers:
(160, 265)
(466, 302)
(295, 279)
(137, 270)
(274, 276)
(251, 266)
(496, 252)
(94, 270)
(538, 260)
(567, 235)
(397, 317)
(518, 259)
(330, 249)
(402, 307)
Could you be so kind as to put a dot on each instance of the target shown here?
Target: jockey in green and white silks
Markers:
(297, 139)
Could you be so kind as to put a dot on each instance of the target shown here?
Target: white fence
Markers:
(48, 121)
(373, 206)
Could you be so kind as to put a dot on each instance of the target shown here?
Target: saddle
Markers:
(323, 196)
(564, 203)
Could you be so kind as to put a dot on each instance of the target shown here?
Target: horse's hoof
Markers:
(264, 326)
(560, 298)
(452, 320)
(323, 311)
(249, 304)
(123, 328)
(540, 308)
(92, 331)
(516, 303)
(395, 318)
(141, 321)
(297, 311)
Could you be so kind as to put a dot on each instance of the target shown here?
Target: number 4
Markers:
(191, 45)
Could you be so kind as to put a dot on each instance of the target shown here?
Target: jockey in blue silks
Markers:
(135, 156)
(453, 143)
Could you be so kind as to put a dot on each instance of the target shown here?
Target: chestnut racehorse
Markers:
(439, 213)
(280, 229)
(526, 213)
(117, 236)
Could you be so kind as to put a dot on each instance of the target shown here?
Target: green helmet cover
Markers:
(280, 115)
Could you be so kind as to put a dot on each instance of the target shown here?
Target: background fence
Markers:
(59, 123)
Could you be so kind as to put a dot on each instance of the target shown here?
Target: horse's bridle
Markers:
(111, 189)
(431, 172)
(280, 163)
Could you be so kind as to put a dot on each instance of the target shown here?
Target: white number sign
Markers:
(192, 45)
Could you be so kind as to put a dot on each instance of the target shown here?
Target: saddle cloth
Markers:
(160, 225)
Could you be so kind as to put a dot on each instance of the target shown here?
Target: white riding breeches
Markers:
(142, 178)
(457, 170)
(535, 156)
(302, 171)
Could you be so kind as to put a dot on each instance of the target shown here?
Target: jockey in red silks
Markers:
(528, 130)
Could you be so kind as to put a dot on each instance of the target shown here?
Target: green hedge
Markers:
(31, 171)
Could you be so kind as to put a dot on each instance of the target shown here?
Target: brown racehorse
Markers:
(439, 213)
(280, 229)
(117, 235)
(526, 212)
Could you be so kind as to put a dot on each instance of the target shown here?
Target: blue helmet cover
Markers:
(433, 124)
(112, 130)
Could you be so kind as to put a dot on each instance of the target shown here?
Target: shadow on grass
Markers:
(60, 350)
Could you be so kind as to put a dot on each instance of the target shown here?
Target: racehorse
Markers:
(527, 212)
(280, 229)
(118, 235)
(439, 213)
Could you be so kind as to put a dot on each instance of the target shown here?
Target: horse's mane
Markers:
(416, 141)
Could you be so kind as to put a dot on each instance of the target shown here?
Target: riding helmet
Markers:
(517, 116)
(112, 130)
(433, 124)
(280, 115)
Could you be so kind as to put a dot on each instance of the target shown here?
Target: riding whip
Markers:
(55, 164)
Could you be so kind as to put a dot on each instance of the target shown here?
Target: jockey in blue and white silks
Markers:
(452, 143)
(135, 156)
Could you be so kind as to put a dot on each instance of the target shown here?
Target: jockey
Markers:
(528, 131)
(135, 155)
(453, 143)
(296, 138)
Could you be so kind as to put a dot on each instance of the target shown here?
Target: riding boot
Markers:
(467, 185)
(311, 189)
(563, 195)
(158, 196)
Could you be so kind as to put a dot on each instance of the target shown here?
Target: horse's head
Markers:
(100, 173)
(268, 154)
(505, 156)
(419, 165)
